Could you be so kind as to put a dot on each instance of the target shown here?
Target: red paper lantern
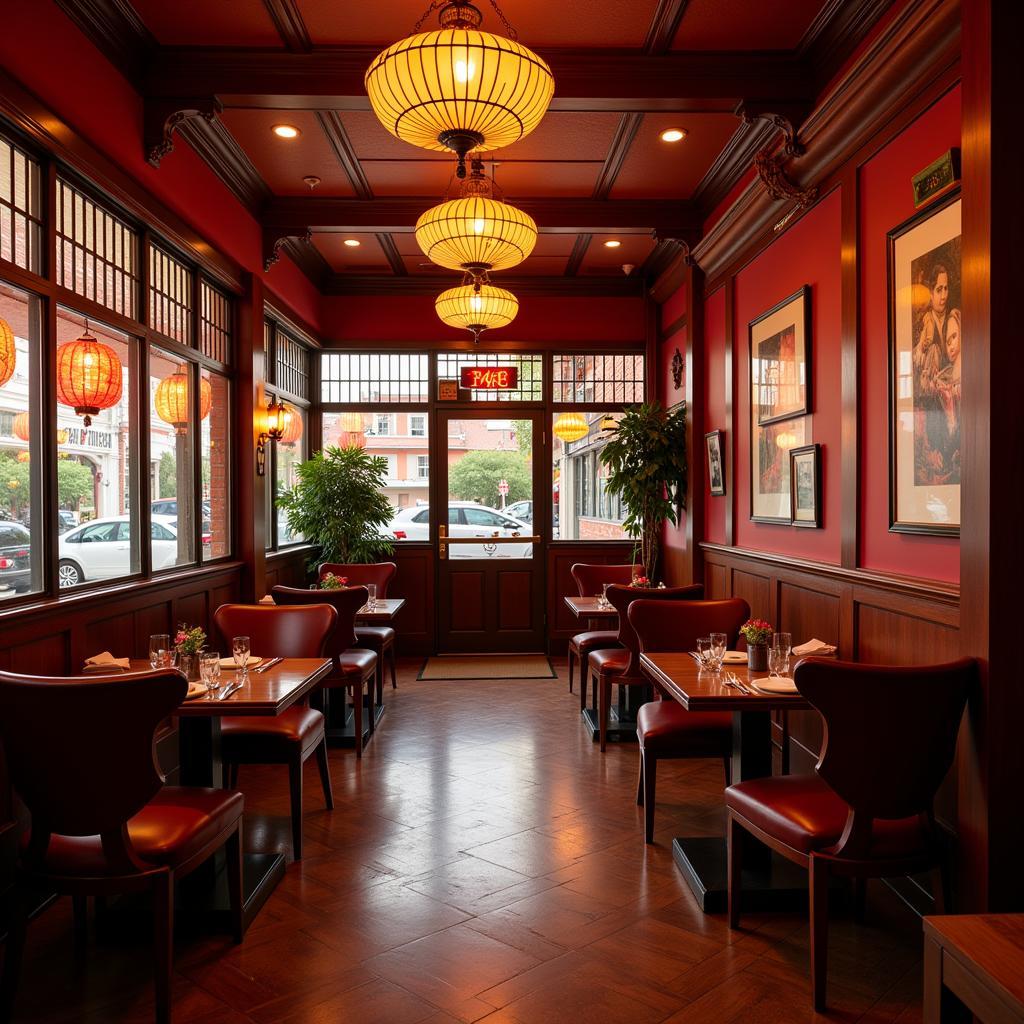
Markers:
(8, 355)
(172, 399)
(292, 426)
(22, 426)
(88, 376)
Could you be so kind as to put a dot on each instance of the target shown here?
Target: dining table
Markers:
(770, 882)
(266, 690)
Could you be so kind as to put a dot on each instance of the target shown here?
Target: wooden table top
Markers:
(385, 610)
(700, 690)
(265, 693)
(587, 608)
(990, 946)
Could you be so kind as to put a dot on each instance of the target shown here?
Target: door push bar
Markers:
(445, 540)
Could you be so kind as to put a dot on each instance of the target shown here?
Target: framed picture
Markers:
(780, 359)
(716, 463)
(770, 499)
(925, 341)
(805, 485)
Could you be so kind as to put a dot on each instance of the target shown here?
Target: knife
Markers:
(268, 664)
(230, 690)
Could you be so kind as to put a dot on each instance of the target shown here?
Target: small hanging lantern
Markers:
(8, 354)
(292, 426)
(172, 399)
(22, 426)
(477, 307)
(88, 376)
(570, 426)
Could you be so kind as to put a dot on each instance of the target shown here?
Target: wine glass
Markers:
(371, 599)
(719, 642)
(160, 650)
(778, 662)
(209, 671)
(604, 602)
(240, 652)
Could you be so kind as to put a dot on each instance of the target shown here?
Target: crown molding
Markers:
(223, 155)
(116, 30)
(430, 284)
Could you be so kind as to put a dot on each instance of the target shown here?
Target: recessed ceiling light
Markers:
(352, 243)
(286, 131)
(673, 134)
(612, 243)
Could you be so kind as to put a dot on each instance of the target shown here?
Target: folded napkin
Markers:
(781, 684)
(735, 658)
(813, 647)
(106, 662)
(267, 599)
(195, 690)
(230, 662)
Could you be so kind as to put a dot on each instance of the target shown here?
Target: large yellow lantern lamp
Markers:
(477, 307)
(292, 426)
(459, 88)
(570, 426)
(172, 399)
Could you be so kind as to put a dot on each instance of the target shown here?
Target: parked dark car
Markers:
(65, 520)
(15, 558)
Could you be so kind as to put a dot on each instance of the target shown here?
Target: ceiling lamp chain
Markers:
(459, 88)
(476, 305)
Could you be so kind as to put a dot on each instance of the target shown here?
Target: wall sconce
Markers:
(277, 419)
(609, 423)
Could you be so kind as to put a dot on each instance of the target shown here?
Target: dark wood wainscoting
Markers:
(872, 617)
(288, 568)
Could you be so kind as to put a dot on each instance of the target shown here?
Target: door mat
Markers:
(488, 666)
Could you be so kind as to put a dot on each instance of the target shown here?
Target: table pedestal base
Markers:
(620, 730)
(341, 729)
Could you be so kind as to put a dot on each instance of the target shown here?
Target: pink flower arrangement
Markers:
(757, 631)
(331, 582)
(189, 639)
(640, 581)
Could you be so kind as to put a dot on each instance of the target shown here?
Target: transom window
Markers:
(598, 378)
(21, 224)
(530, 387)
(354, 378)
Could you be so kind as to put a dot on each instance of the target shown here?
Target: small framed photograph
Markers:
(780, 360)
(805, 485)
(716, 463)
(769, 468)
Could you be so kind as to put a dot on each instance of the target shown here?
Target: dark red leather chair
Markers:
(664, 728)
(379, 639)
(296, 734)
(890, 738)
(590, 580)
(80, 752)
(621, 666)
(355, 667)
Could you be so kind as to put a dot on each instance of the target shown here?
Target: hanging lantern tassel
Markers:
(88, 376)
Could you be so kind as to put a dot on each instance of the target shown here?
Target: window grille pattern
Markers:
(367, 377)
(531, 374)
(600, 378)
(21, 223)
(97, 252)
(214, 323)
(291, 364)
(170, 296)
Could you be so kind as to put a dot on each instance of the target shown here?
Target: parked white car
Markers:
(465, 519)
(102, 549)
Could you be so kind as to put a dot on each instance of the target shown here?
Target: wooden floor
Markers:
(484, 862)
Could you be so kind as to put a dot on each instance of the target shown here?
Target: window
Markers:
(530, 378)
(291, 370)
(597, 378)
(21, 535)
(214, 323)
(417, 426)
(382, 425)
(97, 464)
(422, 517)
(391, 379)
(170, 296)
(215, 467)
(289, 452)
(21, 225)
(423, 467)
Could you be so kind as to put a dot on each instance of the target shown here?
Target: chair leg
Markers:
(379, 677)
(818, 882)
(325, 773)
(603, 708)
(358, 704)
(860, 899)
(80, 912)
(941, 889)
(163, 943)
(571, 660)
(640, 781)
(295, 785)
(584, 676)
(15, 948)
(393, 662)
(650, 778)
(734, 843)
(727, 760)
(233, 854)
(233, 783)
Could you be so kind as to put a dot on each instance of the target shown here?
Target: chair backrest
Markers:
(345, 602)
(591, 578)
(276, 632)
(622, 597)
(359, 574)
(890, 733)
(675, 626)
(80, 751)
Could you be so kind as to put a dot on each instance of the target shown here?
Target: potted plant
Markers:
(757, 633)
(338, 505)
(646, 460)
(188, 642)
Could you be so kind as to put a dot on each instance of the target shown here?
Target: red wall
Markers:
(885, 202)
(41, 47)
(673, 538)
(714, 410)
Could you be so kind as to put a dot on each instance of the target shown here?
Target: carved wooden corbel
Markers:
(769, 162)
(163, 115)
(275, 238)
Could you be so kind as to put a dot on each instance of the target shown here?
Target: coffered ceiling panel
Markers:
(427, 178)
(367, 258)
(744, 24)
(599, 259)
(283, 163)
(208, 22)
(574, 180)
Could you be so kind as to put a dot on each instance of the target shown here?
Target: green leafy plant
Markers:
(189, 639)
(476, 475)
(338, 505)
(331, 582)
(646, 460)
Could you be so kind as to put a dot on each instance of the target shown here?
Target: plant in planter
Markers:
(757, 633)
(188, 642)
(338, 505)
(646, 460)
(331, 582)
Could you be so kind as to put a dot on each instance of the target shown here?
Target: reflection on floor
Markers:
(485, 862)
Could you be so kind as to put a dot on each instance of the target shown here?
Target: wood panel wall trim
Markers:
(916, 49)
(788, 567)
(849, 331)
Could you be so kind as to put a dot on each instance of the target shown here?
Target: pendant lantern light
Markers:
(88, 376)
(459, 88)
(22, 427)
(477, 307)
(172, 399)
(292, 426)
(352, 434)
(8, 354)
(570, 426)
(476, 233)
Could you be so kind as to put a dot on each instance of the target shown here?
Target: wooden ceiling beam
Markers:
(431, 284)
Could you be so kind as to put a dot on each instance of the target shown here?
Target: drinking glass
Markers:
(778, 661)
(783, 642)
(604, 595)
(209, 671)
(704, 652)
(160, 650)
(240, 652)
(719, 642)
(371, 600)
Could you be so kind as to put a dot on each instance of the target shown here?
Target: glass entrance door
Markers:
(490, 544)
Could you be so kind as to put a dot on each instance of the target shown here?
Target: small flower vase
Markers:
(757, 657)
(188, 664)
